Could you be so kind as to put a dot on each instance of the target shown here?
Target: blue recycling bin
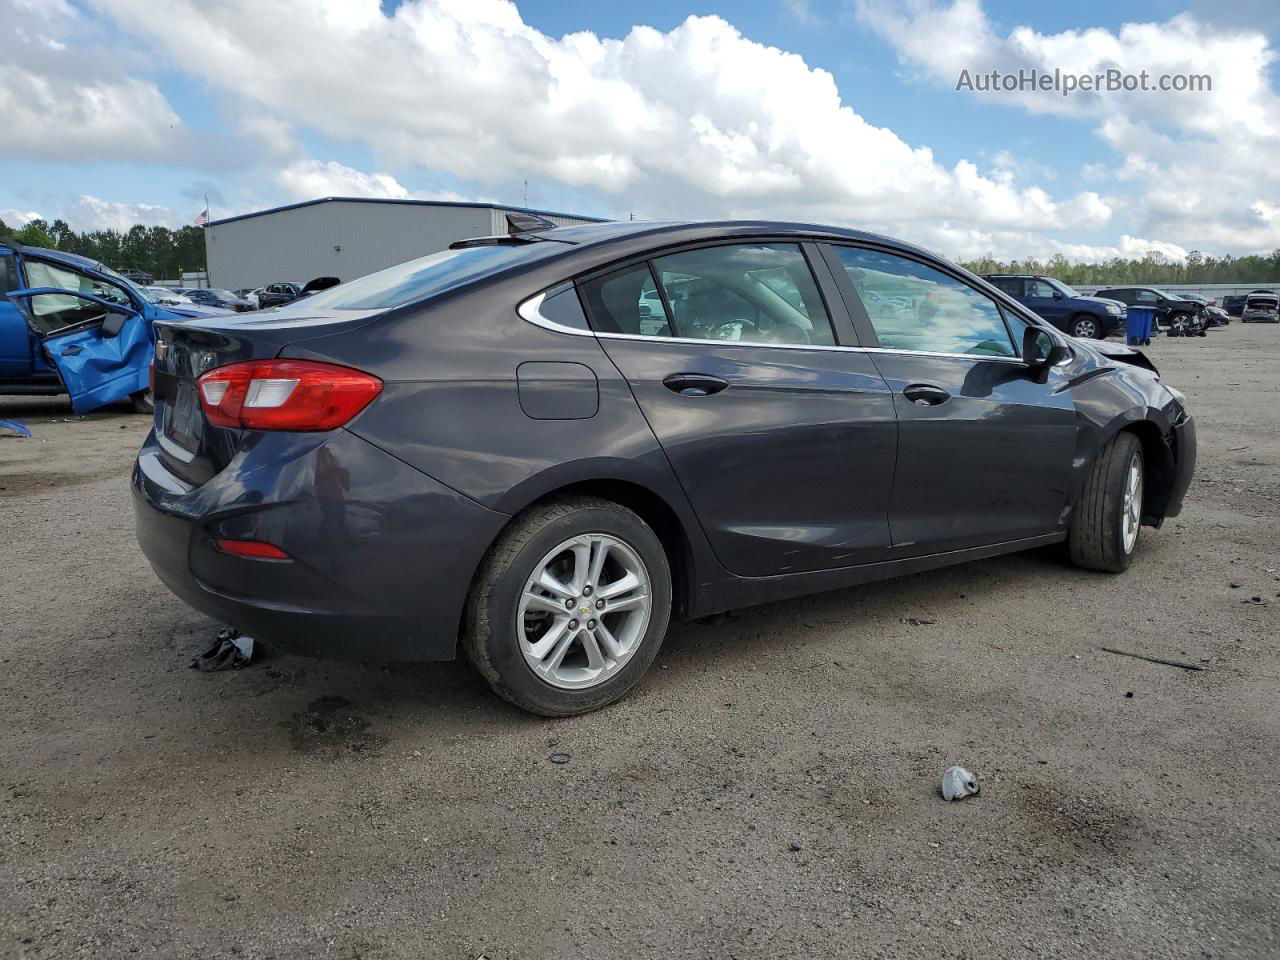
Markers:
(1140, 322)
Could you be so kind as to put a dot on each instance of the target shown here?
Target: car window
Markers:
(1038, 288)
(939, 314)
(751, 292)
(52, 311)
(1010, 285)
(1018, 329)
(8, 278)
(748, 292)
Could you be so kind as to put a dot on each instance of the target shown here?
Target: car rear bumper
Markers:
(381, 555)
(1184, 463)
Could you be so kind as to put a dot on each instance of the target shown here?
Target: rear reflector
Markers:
(285, 394)
(256, 549)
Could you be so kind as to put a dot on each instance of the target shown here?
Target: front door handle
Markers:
(926, 394)
(694, 384)
(71, 351)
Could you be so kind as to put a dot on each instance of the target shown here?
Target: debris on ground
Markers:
(230, 651)
(12, 428)
(1141, 656)
(918, 621)
(958, 783)
(559, 758)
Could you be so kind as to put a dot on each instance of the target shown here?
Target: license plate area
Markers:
(181, 423)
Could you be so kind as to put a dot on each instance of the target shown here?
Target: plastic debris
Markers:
(230, 651)
(958, 783)
(12, 428)
(559, 758)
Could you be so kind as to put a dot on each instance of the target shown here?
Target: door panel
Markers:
(790, 466)
(984, 451)
(991, 463)
(95, 368)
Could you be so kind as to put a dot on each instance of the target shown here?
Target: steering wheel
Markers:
(787, 333)
(731, 330)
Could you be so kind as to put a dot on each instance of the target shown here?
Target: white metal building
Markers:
(345, 237)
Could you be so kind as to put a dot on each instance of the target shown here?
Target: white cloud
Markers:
(1205, 162)
(697, 121)
(18, 218)
(87, 212)
(58, 104)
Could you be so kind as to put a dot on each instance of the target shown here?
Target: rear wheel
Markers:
(1084, 327)
(141, 402)
(1180, 324)
(570, 607)
(1108, 519)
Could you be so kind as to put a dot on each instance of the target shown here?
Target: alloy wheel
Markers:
(583, 611)
(1131, 513)
(1086, 329)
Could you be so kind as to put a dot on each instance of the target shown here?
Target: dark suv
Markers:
(1065, 308)
(278, 294)
(1182, 317)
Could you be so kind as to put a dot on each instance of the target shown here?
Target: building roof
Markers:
(418, 203)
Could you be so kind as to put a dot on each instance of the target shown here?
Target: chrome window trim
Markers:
(529, 310)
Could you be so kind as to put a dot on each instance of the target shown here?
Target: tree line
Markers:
(159, 251)
(1153, 269)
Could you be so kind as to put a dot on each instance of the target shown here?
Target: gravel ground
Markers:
(769, 790)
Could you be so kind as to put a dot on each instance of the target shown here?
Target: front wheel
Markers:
(1108, 518)
(1180, 325)
(1084, 328)
(570, 607)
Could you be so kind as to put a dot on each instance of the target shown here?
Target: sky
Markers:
(115, 112)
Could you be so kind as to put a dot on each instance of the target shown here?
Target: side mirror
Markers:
(1039, 350)
(1057, 295)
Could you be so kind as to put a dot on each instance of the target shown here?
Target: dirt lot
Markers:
(770, 790)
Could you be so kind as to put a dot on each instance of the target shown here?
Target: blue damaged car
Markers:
(72, 325)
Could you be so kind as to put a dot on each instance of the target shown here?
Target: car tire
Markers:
(1180, 325)
(1085, 328)
(505, 633)
(141, 402)
(1107, 520)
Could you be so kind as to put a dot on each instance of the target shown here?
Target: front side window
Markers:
(53, 311)
(938, 313)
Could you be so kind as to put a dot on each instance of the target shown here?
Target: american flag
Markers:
(203, 218)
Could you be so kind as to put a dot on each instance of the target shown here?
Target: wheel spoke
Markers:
(636, 600)
(552, 663)
(595, 659)
(581, 566)
(606, 637)
(546, 643)
(549, 583)
(541, 603)
(601, 551)
(624, 584)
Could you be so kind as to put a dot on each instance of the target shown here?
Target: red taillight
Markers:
(257, 549)
(285, 394)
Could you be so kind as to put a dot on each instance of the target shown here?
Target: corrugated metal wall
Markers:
(340, 238)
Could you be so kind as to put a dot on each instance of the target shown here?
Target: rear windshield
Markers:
(426, 276)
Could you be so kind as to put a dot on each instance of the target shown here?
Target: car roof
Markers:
(56, 256)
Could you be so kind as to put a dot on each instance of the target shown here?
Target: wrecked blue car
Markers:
(72, 325)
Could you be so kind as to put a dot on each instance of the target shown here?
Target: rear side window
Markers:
(931, 311)
(1010, 285)
(741, 292)
(426, 276)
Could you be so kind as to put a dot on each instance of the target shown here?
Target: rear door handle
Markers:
(926, 394)
(694, 384)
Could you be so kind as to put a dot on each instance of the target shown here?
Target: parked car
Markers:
(1261, 308)
(1214, 315)
(1234, 305)
(317, 284)
(482, 444)
(1182, 317)
(278, 294)
(165, 297)
(1069, 311)
(72, 325)
(216, 297)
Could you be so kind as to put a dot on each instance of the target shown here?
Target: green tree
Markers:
(34, 234)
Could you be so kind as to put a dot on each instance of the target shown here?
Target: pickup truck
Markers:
(72, 325)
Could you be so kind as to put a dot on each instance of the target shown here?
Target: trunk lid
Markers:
(191, 447)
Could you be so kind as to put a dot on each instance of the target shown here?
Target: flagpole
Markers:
(207, 217)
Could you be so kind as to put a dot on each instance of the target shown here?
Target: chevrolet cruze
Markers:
(540, 447)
